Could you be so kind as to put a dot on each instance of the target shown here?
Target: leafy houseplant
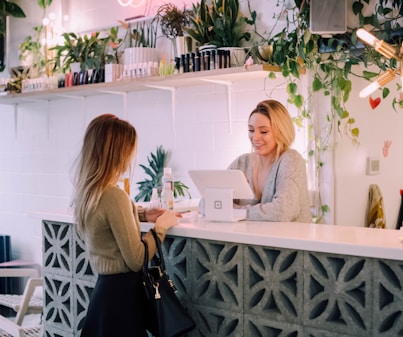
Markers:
(88, 50)
(71, 51)
(155, 170)
(113, 52)
(173, 22)
(141, 33)
(220, 24)
(32, 52)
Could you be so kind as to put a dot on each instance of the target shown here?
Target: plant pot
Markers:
(179, 46)
(75, 67)
(113, 72)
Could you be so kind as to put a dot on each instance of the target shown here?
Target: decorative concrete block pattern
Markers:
(81, 264)
(273, 284)
(260, 326)
(241, 290)
(58, 311)
(311, 332)
(338, 293)
(215, 322)
(388, 298)
(53, 332)
(57, 248)
(81, 298)
(177, 254)
(218, 275)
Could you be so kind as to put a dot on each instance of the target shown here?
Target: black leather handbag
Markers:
(165, 314)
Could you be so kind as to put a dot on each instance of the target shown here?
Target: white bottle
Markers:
(167, 177)
(167, 197)
(155, 200)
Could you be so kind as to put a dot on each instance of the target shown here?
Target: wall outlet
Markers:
(373, 166)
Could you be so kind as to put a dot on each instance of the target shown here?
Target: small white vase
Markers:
(75, 67)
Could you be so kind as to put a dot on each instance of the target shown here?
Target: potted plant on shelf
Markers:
(70, 55)
(173, 22)
(113, 56)
(221, 24)
(78, 54)
(141, 41)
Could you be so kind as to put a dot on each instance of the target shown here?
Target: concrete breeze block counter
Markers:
(250, 278)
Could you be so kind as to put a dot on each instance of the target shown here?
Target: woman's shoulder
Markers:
(114, 193)
(292, 159)
(292, 155)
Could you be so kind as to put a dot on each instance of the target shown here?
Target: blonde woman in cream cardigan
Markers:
(276, 173)
(108, 222)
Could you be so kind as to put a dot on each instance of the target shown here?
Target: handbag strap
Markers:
(159, 249)
(145, 264)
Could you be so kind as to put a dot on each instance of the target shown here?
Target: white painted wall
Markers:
(39, 140)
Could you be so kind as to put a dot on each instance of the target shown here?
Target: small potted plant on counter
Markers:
(155, 170)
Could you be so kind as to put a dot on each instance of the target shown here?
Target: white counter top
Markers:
(358, 241)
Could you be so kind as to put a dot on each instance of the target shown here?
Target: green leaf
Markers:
(299, 101)
(324, 208)
(355, 132)
(368, 75)
(317, 84)
(12, 9)
(385, 92)
(44, 3)
(299, 121)
(357, 7)
(272, 75)
(292, 88)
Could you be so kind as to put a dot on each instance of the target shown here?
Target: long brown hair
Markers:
(281, 123)
(108, 147)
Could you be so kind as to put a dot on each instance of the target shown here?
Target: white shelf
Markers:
(140, 84)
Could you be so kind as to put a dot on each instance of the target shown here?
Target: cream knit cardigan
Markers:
(285, 195)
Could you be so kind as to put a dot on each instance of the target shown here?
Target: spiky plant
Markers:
(155, 170)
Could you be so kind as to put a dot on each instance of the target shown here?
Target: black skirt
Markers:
(116, 307)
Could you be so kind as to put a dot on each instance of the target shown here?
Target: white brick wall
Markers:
(39, 142)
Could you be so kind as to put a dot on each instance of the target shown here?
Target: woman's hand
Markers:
(151, 214)
(167, 219)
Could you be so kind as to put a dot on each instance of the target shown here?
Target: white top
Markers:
(346, 240)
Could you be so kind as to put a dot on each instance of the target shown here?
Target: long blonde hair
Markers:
(281, 123)
(108, 147)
